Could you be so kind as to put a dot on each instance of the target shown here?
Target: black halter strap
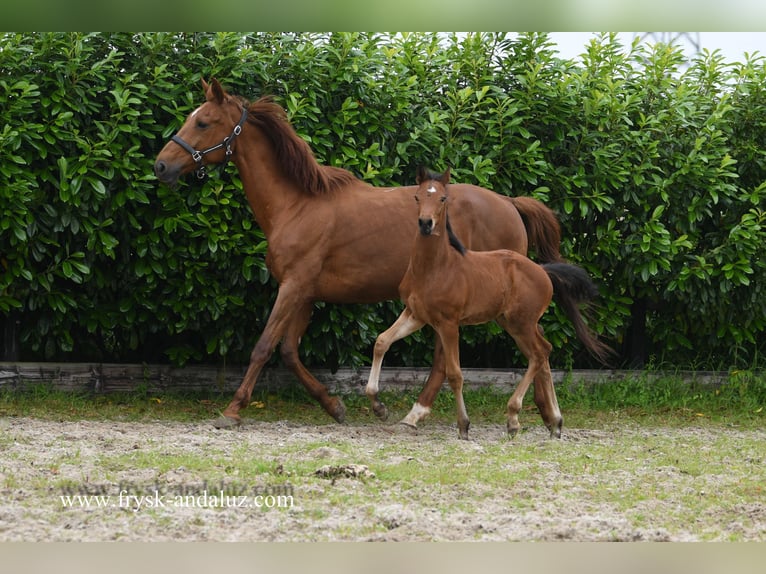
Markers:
(227, 142)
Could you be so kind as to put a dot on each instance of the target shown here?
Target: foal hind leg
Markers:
(404, 325)
(545, 394)
(436, 377)
(296, 327)
(536, 350)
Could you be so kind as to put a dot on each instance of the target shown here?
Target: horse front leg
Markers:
(288, 300)
(405, 325)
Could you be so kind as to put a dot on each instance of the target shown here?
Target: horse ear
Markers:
(422, 174)
(215, 92)
(205, 85)
(445, 176)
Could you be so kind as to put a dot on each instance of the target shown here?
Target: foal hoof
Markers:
(513, 431)
(556, 429)
(404, 429)
(405, 424)
(381, 411)
(463, 431)
(227, 422)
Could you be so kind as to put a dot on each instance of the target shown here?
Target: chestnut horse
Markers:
(446, 286)
(331, 237)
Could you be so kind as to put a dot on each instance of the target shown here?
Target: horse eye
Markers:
(443, 198)
(417, 199)
(202, 125)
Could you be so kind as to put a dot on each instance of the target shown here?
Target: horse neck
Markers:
(269, 193)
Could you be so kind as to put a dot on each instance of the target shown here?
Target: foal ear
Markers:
(422, 174)
(445, 177)
(214, 91)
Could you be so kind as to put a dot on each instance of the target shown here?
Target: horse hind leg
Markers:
(404, 325)
(289, 351)
(280, 318)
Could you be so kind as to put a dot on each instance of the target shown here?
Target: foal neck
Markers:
(439, 251)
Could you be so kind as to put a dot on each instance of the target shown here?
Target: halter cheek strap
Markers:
(227, 142)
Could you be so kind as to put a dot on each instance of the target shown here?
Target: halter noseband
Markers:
(227, 142)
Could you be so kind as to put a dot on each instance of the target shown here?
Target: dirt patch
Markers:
(284, 481)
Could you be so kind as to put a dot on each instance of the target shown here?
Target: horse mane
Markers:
(294, 156)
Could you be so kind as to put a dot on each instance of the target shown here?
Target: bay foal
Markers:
(446, 286)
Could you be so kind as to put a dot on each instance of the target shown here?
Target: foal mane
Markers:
(294, 156)
(454, 241)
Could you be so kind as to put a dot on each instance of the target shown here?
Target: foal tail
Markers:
(543, 229)
(571, 287)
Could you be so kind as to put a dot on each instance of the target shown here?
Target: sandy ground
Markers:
(166, 481)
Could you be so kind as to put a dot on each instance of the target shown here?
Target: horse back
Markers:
(485, 220)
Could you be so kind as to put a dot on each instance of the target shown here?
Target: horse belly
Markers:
(361, 277)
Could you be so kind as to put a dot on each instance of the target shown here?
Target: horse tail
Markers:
(571, 287)
(543, 229)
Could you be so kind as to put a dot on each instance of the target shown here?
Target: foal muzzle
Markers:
(426, 226)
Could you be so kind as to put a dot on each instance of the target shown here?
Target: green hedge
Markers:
(655, 167)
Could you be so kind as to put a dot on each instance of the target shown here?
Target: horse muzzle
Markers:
(166, 173)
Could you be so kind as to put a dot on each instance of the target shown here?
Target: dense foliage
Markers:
(655, 166)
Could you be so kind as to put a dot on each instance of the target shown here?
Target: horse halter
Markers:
(227, 142)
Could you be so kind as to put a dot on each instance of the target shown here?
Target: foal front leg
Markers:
(422, 406)
(405, 324)
(450, 337)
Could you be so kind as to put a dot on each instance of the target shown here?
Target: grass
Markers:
(644, 460)
(667, 401)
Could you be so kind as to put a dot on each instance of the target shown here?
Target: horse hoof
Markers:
(407, 424)
(381, 411)
(512, 432)
(227, 422)
(339, 411)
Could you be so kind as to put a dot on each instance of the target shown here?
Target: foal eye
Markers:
(417, 199)
(443, 198)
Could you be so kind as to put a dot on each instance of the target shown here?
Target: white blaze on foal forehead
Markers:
(431, 189)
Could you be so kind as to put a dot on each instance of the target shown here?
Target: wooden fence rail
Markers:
(110, 378)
